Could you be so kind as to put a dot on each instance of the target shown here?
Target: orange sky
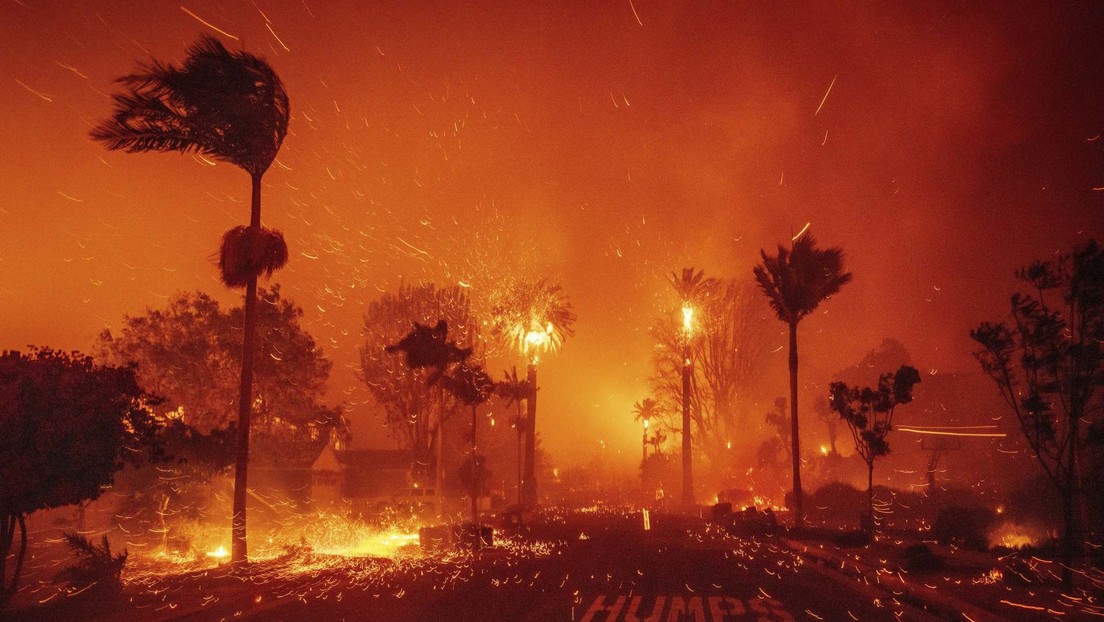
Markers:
(600, 144)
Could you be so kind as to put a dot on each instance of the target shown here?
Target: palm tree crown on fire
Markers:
(795, 282)
(232, 107)
(534, 317)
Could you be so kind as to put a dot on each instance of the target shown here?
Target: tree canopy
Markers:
(66, 426)
(868, 412)
(190, 351)
(401, 391)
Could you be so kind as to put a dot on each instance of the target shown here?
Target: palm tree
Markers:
(536, 317)
(690, 286)
(795, 282)
(514, 390)
(645, 409)
(472, 386)
(232, 107)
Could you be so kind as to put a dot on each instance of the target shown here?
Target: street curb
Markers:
(938, 604)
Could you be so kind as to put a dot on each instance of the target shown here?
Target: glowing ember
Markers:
(376, 545)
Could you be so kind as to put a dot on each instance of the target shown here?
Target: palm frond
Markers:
(230, 106)
(798, 279)
(247, 252)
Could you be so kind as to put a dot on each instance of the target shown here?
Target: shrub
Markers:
(964, 526)
(920, 558)
(96, 570)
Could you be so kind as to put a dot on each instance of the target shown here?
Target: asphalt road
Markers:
(602, 567)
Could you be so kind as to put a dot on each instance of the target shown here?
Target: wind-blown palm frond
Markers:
(797, 279)
(229, 105)
(691, 284)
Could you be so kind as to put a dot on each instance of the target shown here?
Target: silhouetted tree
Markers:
(66, 426)
(233, 107)
(776, 419)
(868, 413)
(796, 281)
(1049, 366)
(188, 351)
(404, 394)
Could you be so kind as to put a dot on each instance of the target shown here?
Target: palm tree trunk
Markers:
(1071, 537)
(475, 486)
(7, 535)
(529, 484)
(439, 461)
(520, 432)
(7, 532)
(795, 442)
(687, 439)
(239, 550)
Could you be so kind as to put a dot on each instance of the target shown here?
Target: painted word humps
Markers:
(679, 609)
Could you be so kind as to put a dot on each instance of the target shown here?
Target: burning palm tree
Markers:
(690, 286)
(232, 107)
(536, 317)
(796, 281)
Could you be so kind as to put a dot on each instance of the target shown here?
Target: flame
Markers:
(219, 553)
(1013, 535)
(687, 318)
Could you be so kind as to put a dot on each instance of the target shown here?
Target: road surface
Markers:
(600, 567)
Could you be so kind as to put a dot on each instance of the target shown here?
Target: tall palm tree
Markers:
(232, 107)
(514, 389)
(796, 281)
(691, 286)
(536, 317)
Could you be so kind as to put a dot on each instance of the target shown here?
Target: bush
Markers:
(920, 558)
(964, 526)
(96, 570)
